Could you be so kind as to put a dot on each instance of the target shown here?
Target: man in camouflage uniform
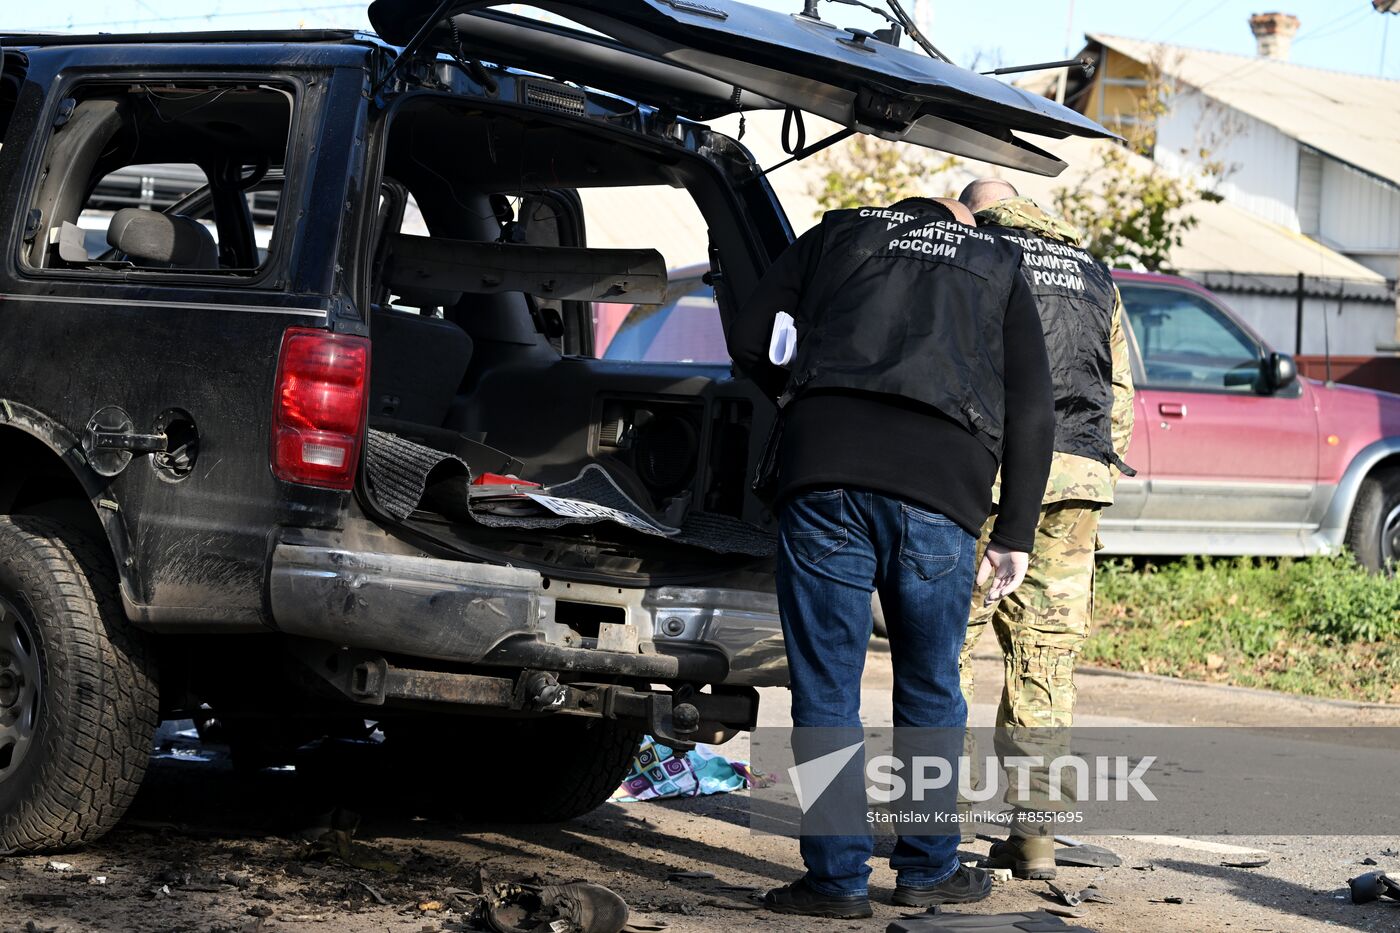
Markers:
(1043, 625)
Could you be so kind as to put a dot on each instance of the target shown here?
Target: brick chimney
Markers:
(1274, 32)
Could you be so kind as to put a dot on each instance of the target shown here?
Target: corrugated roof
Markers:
(1225, 239)
(1351, 117)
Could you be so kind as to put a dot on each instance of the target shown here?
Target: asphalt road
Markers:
(209, 849)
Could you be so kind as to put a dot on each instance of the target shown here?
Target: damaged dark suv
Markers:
(300, 424)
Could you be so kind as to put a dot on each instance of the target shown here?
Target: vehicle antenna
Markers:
(1085, 62)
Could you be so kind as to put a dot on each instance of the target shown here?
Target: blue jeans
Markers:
(835, 547)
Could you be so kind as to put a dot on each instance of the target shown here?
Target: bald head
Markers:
(959, 210)
(984, 192)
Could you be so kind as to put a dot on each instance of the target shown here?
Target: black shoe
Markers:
(801, 898)
(964, 886)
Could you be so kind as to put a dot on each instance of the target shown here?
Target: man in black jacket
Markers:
(920, 369)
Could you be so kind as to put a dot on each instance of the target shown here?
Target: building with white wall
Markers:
(1315, 151)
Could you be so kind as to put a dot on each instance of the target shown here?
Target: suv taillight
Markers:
(318, 411)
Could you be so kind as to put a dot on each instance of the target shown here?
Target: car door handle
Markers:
(1172, 410)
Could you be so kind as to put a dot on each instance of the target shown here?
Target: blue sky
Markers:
(1345, 35)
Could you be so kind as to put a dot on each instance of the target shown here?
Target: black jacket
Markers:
(1075, 296)
(921, 318)
(922, 371)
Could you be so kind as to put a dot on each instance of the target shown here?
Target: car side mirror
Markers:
(1280, 371)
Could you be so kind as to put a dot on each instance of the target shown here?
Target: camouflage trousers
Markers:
(1041, 628)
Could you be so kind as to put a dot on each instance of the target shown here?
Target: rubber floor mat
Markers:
(403, 475)
(400, 471)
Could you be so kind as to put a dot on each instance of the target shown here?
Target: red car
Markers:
(1235, 453)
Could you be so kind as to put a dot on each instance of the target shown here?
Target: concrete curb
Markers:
(1201, 685)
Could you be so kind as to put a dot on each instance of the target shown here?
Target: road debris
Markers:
(638, 925)
(1000, 875)
(1076, 854)
(1246, 863)
(949, 922)
(577, 907)
(58, 866)
(1373, 886)
(331, 839)
(659, 771)
(730, 905)
(689, 875)
(378, 898)
(1172, 900)
(1087, 895)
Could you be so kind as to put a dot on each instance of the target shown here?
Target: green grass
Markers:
(1320, 626)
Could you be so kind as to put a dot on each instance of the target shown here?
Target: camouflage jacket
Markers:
(1073, 477)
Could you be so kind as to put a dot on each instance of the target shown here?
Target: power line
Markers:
(1209, 12)
(1317, 33)
(1174, 14)
(1342, 24)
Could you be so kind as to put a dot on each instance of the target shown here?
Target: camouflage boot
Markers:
(1030, 858)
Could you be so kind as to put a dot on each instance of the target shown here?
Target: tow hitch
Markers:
(678, 718)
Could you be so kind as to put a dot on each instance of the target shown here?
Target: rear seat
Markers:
(417, 363)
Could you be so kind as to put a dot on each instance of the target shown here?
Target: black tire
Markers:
(94, 705)
(1373, 533)
(517, 770)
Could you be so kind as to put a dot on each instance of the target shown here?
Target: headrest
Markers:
(169, 239)
(426, 299)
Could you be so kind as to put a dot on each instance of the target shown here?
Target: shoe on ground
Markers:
(801, 898)
(1030, 858)
(964, 886)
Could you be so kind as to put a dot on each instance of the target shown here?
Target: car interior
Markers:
(482, 330)
(225, 137)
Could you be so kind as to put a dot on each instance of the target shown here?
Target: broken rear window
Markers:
(158, 176)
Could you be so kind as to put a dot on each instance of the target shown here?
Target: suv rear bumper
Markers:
(481, 614)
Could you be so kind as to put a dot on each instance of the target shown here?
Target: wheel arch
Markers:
(43, 472)
(1383, 454)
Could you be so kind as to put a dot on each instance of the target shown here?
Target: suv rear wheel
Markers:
(517, 770)
(1373, 533)
(78, 698)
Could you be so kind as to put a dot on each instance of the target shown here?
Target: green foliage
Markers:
(1321, 626)
(864, 170)
(1129, 214)
(1130, 211)
(1339, 602)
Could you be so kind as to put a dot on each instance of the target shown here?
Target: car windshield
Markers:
(1188, 343)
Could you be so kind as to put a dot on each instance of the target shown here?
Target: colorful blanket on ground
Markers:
(657, 772)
